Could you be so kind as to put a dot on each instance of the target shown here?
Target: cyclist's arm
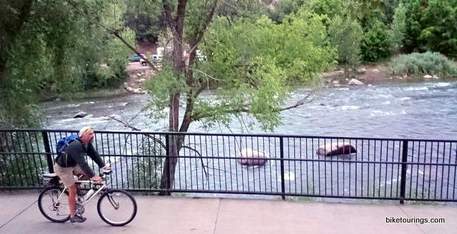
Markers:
(93, 154)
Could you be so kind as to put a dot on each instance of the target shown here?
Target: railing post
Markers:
(281, 156)
(404, 167)
(47, 148)
(167, 160)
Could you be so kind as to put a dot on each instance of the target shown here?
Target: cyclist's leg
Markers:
(66, 175)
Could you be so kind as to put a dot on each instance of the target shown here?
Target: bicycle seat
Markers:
(50, 175)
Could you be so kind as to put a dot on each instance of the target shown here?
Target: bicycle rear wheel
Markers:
(52, 206)
(117, 207)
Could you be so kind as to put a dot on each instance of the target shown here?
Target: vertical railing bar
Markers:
(449, 170)
(373, 163)
(436, 169)
(455, 174)
(356, 167)
(325, 168)
(33, 160)
(423, 175)
(47, 149)
(392, 169)
(411, 169)
(418, 168)
(362, 169)
(380, 170)
(265, 167)
(247, 168)
(430, 170)
(12, 157)
(312, 165)
(404, 161)
(349, 163)
(301, 166)
(281, 156)
(331, 169)
(8, 173)
(218, 163)
(213, 157)
(224, 162)
(442, 170)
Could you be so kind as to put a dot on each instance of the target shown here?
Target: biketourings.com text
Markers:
(415, 220)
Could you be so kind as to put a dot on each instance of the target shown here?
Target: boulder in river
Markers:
(336, 149)
(80, 114)
(251, 157)
(355, 82)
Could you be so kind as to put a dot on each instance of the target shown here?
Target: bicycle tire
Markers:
(53, 191)
(108, 195)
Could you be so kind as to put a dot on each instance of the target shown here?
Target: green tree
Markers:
(55, 51)
(346, 35)
(376, 43)
(430, 26)
(252, 62)
(144, 18)
(398, 28)
(284, 8)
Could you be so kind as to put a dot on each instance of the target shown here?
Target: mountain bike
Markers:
(115, 206)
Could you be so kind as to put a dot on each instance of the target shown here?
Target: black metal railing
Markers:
(364, 168)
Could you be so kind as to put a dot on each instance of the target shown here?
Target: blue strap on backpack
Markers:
(64, 142)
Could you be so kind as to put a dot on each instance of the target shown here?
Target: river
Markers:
(426, 110)
(406, 110)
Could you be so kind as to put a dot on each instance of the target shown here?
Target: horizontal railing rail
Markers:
(256, 164)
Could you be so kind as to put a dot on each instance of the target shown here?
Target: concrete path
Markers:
(19, 214)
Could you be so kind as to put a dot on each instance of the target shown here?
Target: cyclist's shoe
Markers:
(77, 219)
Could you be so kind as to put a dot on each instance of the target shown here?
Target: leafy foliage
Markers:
(376, 42)
(144, 18)
(284, 8)
(254, 62)
(398, 28)
(430, 63)
(58, 52)
(429, 26)
(346, 35)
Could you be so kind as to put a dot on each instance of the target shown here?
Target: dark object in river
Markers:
(336, 149)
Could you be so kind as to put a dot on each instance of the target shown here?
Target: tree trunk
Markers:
(173, 145)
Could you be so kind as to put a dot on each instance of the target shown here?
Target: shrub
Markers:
(376, 42)
(431, 63)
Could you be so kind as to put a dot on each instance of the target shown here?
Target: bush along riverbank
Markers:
(402, 68)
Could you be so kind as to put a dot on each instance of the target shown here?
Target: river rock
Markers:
(428, 77)
(355, 82)
(250, 157)
(336, 149)
(361, 70)
(80, 114)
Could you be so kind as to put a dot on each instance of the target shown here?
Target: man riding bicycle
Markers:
(72, 162)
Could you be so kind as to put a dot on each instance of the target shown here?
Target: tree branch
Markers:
(246, 109)
(204, 26)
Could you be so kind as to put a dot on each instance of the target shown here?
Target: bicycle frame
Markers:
(85, 201)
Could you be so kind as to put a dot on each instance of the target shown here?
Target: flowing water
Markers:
(418, 110)
(407, 110)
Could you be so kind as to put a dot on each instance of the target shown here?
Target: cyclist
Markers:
(72, 162)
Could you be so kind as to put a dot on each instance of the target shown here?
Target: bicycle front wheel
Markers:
(53, 204)
(117, 207)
